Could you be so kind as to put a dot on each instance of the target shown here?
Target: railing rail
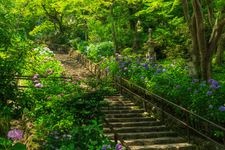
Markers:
(27, 77)
(193, 123)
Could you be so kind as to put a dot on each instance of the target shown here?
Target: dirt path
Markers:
(72, 67)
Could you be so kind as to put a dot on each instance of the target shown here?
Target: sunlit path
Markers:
(72, 67)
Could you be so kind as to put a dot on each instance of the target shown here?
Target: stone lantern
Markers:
(150, 46)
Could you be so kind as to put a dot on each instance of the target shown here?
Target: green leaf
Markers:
(19, 146)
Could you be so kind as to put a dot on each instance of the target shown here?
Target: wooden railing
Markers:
(29, 78)
(172, 114)
(92, 67)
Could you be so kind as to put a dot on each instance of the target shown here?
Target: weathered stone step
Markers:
(133, 119)
(121, 103)
(137, 129)
(134, 124)
(141, 135)
(123, 111)
(151, 141)
(117, 100)
(119, 107)
(174, 146)
(124, 115)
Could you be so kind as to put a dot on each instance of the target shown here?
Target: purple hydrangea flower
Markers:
(119, 147)
(38, 85)
(36, 76)
(36, 81)
(15, 134)
(214, 84)
(222, 108)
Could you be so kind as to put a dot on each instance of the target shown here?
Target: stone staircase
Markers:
(137, 129)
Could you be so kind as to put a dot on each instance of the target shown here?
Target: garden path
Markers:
(72, 67)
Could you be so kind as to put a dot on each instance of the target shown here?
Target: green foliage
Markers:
(43, 29)
(101, 50)
(5, 117)
(42, 61)
(6, 144)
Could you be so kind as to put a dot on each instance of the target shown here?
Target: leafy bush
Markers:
(98, 51)
(170, 80)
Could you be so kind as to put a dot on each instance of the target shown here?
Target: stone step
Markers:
(141, 135)
(135, 124)
(117, 100)
(121, 103)
(124, 115)
(133, 119)
(137, 129)
(123, 111)
(174, 146)
(119, 107)
(151, 141)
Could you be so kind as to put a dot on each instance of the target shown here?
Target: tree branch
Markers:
(200, 25)
(186, 10)
(216, 34)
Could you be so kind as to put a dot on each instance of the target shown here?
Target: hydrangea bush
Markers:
(171, 80)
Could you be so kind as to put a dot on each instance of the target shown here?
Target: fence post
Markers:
(162, 113)
(188, 123)
(144, 104)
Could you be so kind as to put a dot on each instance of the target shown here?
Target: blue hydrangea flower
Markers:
(105, 147)
(145, 65)
(222, 108)
(213, 84)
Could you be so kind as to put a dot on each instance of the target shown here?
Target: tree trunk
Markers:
(114, 29)
(220, 50)
(135, 45)
(203, 48)
(194, 52)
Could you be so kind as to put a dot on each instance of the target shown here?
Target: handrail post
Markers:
(187, 127)
(115, 137)
(162, 113)
(120, 81)
(144, 104)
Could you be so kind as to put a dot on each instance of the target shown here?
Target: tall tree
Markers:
(206, 25)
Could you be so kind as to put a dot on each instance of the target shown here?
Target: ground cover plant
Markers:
(53, 112)
(172, 48)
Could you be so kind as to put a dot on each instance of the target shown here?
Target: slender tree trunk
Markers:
(220, 50)
(113, 28)
(201, 39)
(135, 45)
(194, 51)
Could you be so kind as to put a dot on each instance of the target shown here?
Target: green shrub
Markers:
(97, 52)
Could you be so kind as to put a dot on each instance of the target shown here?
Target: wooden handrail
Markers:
(159, 102)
